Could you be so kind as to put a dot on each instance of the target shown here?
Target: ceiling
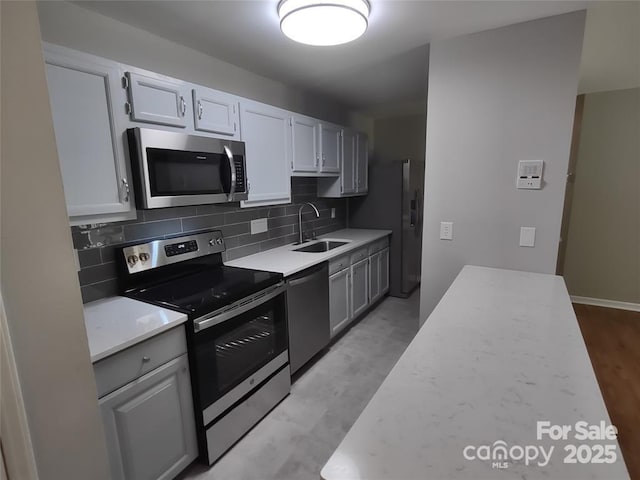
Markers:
(382, 73)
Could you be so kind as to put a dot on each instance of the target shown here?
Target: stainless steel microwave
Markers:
(175, 169)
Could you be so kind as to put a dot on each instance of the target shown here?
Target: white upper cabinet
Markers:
(154, 99)
(330, 148)
(304, 138)
(354, 163)
(83, 92)
(267, 136)
(362, 163)
(348, 173)
(215, 112)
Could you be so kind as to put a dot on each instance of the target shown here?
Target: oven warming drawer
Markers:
(232, 427)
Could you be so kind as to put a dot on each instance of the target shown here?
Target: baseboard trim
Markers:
(601, 302)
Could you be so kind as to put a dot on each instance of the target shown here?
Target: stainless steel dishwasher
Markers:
(308, 314)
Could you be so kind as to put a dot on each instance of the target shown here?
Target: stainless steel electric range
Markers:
(236, 332)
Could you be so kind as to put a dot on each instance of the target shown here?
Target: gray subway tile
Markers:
(282, 221)
(245, 215)
(168, 213)
(98, 291)
(217, 209)
(247, 239)
(273, 243)
(107, 254)
(281, 231)
(97, 273)
(292, 209)
(273, 212)
(234, 253)
(97, 237)
(153, 229)
(191, 224)
(89, 257)
(235, 229)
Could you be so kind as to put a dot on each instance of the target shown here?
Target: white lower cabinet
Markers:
(378, 275)
(374, 277)
(339, 293)
(148, 421)
(356, 281)
(359, 287)
(384, 271)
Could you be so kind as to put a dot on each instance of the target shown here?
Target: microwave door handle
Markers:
(232, 166)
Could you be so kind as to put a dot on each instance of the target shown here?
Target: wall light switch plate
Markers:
(258, 226)
(333, 213)
(527, 236)
(446, 230)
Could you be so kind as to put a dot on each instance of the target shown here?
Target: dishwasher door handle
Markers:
(300, 281)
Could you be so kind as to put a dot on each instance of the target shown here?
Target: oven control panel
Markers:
(180, 248)
(158, 253)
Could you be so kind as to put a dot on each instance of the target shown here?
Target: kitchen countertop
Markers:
(284, 260)
(116, 323)
(501, 351)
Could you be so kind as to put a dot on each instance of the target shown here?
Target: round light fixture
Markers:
(323, 22)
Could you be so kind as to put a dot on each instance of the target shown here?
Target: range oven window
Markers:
(173, 172)
(227, 353)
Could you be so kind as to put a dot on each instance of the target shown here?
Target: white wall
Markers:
(38, 276)
(400, 137)
(72, 26)
(495, 98)
(603, 245)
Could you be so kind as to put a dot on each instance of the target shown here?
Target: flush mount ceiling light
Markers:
(323, 22)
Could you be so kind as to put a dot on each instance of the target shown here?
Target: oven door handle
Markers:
(237, 308)
(232, 166)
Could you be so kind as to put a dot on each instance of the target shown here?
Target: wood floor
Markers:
(613, 341)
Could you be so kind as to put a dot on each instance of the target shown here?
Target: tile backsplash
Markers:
(95, 243)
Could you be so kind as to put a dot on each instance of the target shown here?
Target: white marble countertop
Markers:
(501, 351)
(284, 260)
(116, 323)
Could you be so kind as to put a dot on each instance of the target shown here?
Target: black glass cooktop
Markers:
(206, 291)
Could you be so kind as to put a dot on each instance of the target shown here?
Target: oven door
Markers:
(237, 349)
(176, 169)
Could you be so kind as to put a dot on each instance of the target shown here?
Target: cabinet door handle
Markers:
(146, 359)
(125, 185)
(199, 110)
(315, 164)
(183, 106)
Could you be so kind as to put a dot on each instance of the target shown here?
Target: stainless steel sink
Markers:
(321, 246)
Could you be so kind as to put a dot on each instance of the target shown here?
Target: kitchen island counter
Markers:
(500, 352)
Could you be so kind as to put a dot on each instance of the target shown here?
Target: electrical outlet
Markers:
(258, 226)
(333, 213)
(446, 230)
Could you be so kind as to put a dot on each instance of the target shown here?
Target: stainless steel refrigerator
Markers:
(395, 203)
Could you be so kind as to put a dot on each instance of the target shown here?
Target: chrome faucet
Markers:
(300, 217)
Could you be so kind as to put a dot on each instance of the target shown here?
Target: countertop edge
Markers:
(245, 262)
(140, 338)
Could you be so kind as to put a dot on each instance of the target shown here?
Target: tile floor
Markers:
(295, 440)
